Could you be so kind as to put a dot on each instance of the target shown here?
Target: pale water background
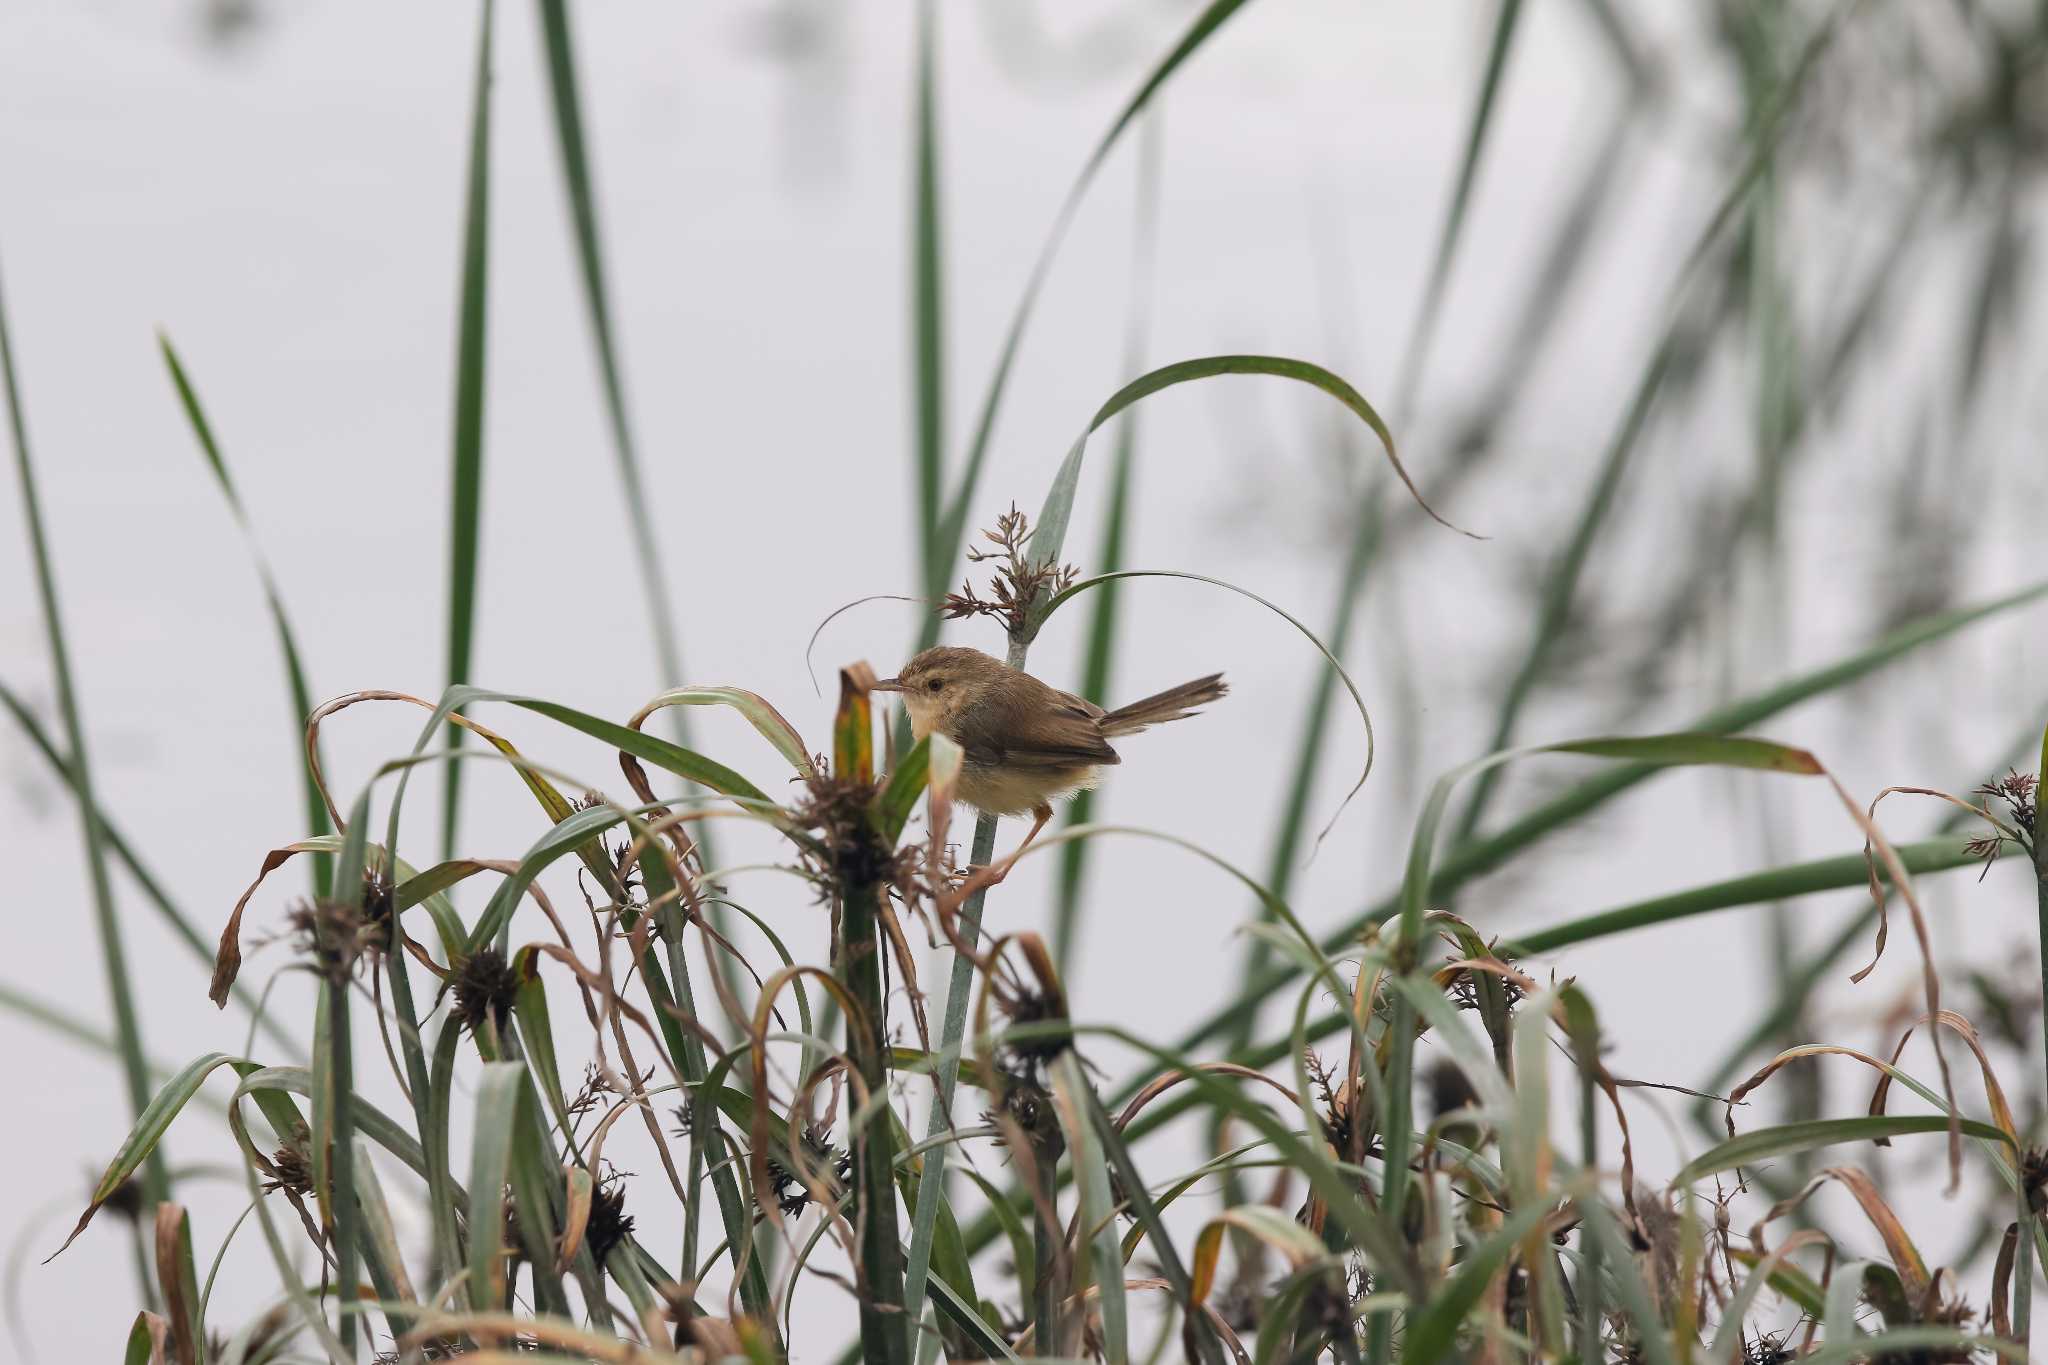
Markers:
(286, 203)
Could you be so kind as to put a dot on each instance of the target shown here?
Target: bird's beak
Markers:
(887, 685)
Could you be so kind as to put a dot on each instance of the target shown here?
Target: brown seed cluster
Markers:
(485, 988)
(1020, 585)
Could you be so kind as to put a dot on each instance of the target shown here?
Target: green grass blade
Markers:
(1758, 888)
(113, 957)
(143, 1140)
(1096, 670)
(1789, 1138)
(755, 709)
(145, 1339)
(905, 786)
(294, 668)
(927, 305)
(465, 497)
(1433, 1330)
(1145, 1215)
(1417, 354)
(1050, 531)
(498, 1093)
(953, 527)
(1101, 1247)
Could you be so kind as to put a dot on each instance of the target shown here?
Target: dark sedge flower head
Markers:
(485, 987)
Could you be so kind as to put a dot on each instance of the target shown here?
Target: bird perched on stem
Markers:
(1025, 744)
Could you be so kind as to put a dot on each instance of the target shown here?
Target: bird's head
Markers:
(940, 684)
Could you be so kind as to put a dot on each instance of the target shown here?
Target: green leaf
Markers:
(1433, 1330)
(1787, 1139)
(755, 709)
(899, 796)
(1649, 751)
(1138, 1200)
(145, 1339)
(295, 671)
(1051, 527)
(149, 1129)
(1757, 888)
(660, 752)
(537, 1033)
(498, 1095)
(465, 498)
(1098, 1230)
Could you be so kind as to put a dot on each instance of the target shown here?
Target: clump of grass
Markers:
(1470, 1230)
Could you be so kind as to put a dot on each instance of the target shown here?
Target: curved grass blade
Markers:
(146, 1340)
(465, 498)
(1787, 1139)
(1051, 527)
(1101, 580)
(113, 956)
(294, 669)
(953, 527)
(670, 757)
(753, 708)
(142, 1140)
(1145, 1214)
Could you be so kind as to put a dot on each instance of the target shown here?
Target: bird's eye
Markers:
(934, 685)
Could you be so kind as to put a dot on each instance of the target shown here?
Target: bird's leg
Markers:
(981, 878)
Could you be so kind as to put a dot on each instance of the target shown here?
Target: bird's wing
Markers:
(1029, 733)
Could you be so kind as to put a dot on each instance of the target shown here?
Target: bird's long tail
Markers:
(1172, 704)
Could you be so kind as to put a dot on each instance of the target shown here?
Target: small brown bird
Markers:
(1026, 744)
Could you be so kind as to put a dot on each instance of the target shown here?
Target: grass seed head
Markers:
(610, 1225)
(791, 1192)
(291, 1170)
(334, 934)
(485, 987)
(855, 854)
